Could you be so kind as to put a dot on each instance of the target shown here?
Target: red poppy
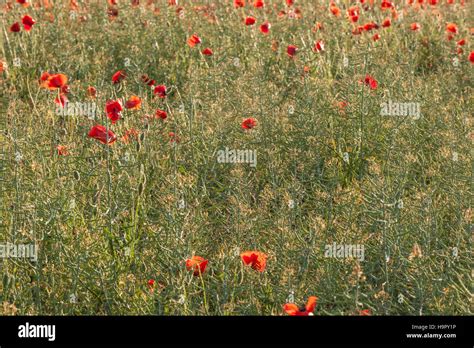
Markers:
(256, 259)
(354, 19)
(376, 37)
(265, 28)
(290, 2)
(370, 26)
(471, 57)
(239, 3)
(258, 3)
(151, 284)
(53, 81)
(335, 10)
(291, 50)
(196, 264)
(65, 89)
(452, 28)
(27, 22)
(319, 46)
(118, 76)
(15, 28)
(386, 5)
(461, 42)
(113, 109)
(207, 52)
(160, 90)
(249, 123)
(371, 82)
(62, 150)
(173, 137)
(91, 92)
(24, 3)
(161, 114)
(365, 312)
(293, 310)
(147, 80)
(415, 26)
(386, 23)
(250, 20)
(100, 133)
(194, 40)
(134, 103)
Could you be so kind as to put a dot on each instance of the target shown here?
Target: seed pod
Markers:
(141, 187)
(77, 176)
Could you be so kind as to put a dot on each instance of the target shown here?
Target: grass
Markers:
(107, 219)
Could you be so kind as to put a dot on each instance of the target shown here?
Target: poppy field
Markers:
(236, 157)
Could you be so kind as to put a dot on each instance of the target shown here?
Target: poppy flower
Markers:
(370, 26)
(134, 103)
(118, 76)
(471, 57)
(196, 264)
(376, 37)
(461, 42)
(258, 4)
(160, 90)
(371, 82)
(250, 20)
(293, 310)
(151, 284)
(249, 123)
(147, 80)
(386, 23)
(100, 133)
(3, 66)
(290, 2)
(161, 114)
(336, 11)
(113, 106)
(62, 150)
(28, 22)
(354, 19)
(386, 5)
(291, 50)
(24, 3)
(256, 259)
(452, 28)
(207, 52)
(113, 109)
(239, 3)
(173, 137)
(53, 81)
(365, 312)
(415, 26)
(15, 28)
(65, 89)
(91, 92)
(265, 28)
(319, 46)
(194, 40)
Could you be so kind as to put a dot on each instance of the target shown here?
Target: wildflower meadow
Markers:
(236, 157)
